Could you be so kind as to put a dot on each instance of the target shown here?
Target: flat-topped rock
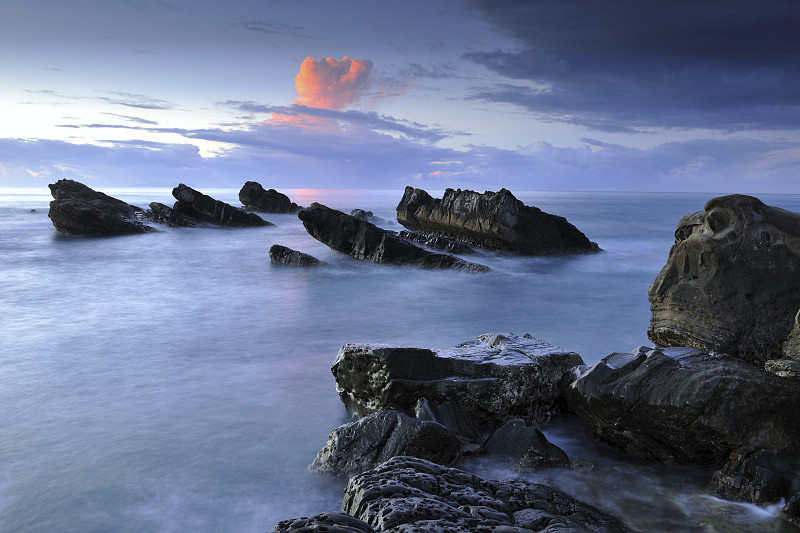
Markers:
(254, 196)
(494, 378)
(492, 220)
(202, 207)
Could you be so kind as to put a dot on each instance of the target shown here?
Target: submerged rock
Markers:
(202, 207)
(80, 210)
(406, 494)
(679, 405)
(365, 241)
(492, 220)
(281, 255)
(494, 378)
(732, 281)
(170, 217)
(254, 196)
(525, 447)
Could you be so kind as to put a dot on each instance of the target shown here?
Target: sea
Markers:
(177, 381)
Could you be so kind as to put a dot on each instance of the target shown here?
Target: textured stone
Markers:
(437, 242)
(785, 368)
(281, 255)
(732, 281)
(494, 378)
(365, 241)
(330, 522)
(254, 196)
(791, 346)
(202, 207)
(525, 447)
(492, 220)
(757, 476)
(166, 215)
(791, 511)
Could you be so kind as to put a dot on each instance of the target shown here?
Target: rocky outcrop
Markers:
(166, 215)
(679, 405)
(254, 196)
(367, 242)
(492, 220)
(525, 447)
(80, 210)
(328, 522)
(368, 216)
(202, 207)
(407, 494)
(366, 443)
(757, 476)
(281, 255)
(494, 378)
(436, 242)
(732, 281)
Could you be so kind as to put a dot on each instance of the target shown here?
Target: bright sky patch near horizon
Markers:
(538, 95)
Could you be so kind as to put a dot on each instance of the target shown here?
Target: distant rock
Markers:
(254, 196)
(437, 242)
(525, 447)
(732, 281)
(365, 241)
(492, 220)
(80, 210)
(197, 205)
(494, 378)
(170, 217)
(281, 255)
(368, 216)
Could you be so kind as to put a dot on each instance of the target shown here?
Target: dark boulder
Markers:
(525, 447)
(330, 522)
(732, 281)
(455, 418)
(679, 405)
(494, 378)
(197, 205)
(376, 438)
(437, 242)
(406, 494)
(80, 210)
(791, 511)
(254, 196)
(757, 476)
(492, 220)
(365, 241)
(281, 255)
(166, 215)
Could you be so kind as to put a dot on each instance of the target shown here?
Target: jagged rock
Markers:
(437, 243)
(254, 196)
(406, 494)
(363, 240)
(679, 405)
(281, 255)
(329, 522)
(366, 443)
(525, 446)
(492, 220)
(791, 511)
(197, 205)
(80, 210)
(494, 378)
(732, 281)
(785, 368)
(757, 476)
(170, 217)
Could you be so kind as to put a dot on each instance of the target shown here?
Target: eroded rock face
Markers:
(202, 207)
(732, 280)
(281, 255)
(757, 476)
(407, 494)
(365, 241)
(492, 220)
(679, 405)
(329, 522)
(254, 196)
(80, 210)
(494, 378)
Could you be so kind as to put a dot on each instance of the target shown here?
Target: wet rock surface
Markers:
(757, 476)
(365, 241)
(494, 378)
(281, 255)
(525, 447)
(732, 281)
(80, 210)
(254, 196)
(197, 205)
(492, 220)
(679, 405)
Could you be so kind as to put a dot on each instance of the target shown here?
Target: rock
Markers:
(367, 242)
(785, 368)
(494, 378)
(253, 196)
(330, 522)
(80, 210)
(170, 217)
(281, 255)
(368, 216)
(757, 476)
(732, 281)
(366, 443)
(791, 346)
(525, 446)
(437, 243)
(406, 494)
(791, 511)
(197, 205)
(492, 220)
(452, 416)
(679, 405)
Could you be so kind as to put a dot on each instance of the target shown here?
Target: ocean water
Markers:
(177, 381)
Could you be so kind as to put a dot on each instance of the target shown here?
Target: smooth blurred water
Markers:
(177, 381)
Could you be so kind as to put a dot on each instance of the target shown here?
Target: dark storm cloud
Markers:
(626, 64)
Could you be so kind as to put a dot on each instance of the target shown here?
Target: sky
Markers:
(620, 95)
